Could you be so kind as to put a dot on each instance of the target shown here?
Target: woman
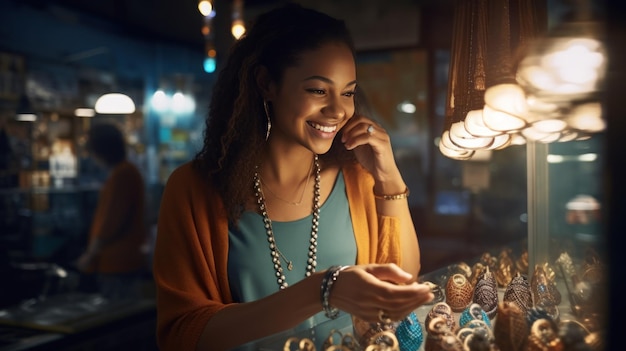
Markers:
(294, 208)
(117, 233)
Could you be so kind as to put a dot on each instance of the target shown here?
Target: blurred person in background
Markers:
(117, 234)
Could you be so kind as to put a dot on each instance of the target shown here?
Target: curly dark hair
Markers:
(236, 125)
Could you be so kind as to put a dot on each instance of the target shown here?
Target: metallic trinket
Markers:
(444, 311)
(543, 288)
(505, 269)
(522, 262)
(304, 344)
(347, 342)
(518, 292)
(480, 338)
(458, 292)
(440, 336)
(544, 337)
(486, 293)
(510, 330)
(472, 313)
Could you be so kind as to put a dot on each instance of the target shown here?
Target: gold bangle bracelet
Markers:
(400, 196)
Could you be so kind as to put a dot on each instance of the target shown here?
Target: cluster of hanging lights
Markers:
(238, 28)
(509, 83)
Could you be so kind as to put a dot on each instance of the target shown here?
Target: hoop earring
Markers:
(269, 122)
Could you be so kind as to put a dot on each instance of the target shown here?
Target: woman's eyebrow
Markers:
(326, 80)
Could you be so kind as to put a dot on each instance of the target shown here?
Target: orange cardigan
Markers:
(191, 252)
(119, 217)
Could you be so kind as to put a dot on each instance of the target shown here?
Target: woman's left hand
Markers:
(372, 147)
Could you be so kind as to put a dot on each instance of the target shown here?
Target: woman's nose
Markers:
(334, 108)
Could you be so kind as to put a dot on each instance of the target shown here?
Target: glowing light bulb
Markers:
(205, 7)
(238, 28)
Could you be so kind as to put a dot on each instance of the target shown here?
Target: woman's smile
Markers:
(323, 131)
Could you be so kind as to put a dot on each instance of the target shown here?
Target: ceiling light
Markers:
(114, 103)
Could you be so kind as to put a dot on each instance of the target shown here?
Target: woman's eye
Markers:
(316, 91)
(350, 94)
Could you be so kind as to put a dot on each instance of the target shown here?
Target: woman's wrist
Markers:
(329, 279)
(392, 188)
(395, 196)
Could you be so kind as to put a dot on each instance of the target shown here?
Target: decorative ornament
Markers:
(544, 291)
(486, 293)
(440, 337)
(474, 312)
(544, 337)
(458, 292)
(522, 262)
(518, 292)
(443, 310)
(409, 333)
(505, 268)
(510, 330)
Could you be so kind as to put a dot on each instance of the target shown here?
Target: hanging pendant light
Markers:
(485, 106)
(25, 111)
(566, 69)
(114, 103)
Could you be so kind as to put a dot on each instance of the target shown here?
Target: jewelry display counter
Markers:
(547, 292)
(490, 304)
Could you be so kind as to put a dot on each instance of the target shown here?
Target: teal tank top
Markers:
(251, 272)
(250, 269)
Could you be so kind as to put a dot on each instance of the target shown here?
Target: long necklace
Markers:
(298, 203)
(275, 253)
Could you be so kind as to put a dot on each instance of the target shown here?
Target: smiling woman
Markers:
(293, 213)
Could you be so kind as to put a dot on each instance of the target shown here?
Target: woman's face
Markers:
(315, 98)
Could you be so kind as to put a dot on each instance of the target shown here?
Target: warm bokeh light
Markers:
(562, 68)
(84, 112)
(205, 7)
(206, 30)
(238, 28)
(587, 117)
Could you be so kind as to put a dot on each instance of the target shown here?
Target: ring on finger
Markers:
(383, 317)
(370, 129)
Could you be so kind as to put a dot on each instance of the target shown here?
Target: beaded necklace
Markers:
(275, 253)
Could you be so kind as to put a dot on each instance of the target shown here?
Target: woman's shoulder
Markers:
(186, 174)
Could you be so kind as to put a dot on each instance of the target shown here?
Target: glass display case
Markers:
(545, 292)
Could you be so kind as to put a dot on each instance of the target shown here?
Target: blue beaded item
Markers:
(409, 333)
(474, 311)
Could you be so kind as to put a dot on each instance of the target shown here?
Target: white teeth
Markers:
(322, 128)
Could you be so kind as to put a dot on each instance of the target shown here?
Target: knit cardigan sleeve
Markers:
(190, 259)
(377, 237)
(191, 253)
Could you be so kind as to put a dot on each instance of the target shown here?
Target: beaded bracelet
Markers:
(327, 284)
(400, 196)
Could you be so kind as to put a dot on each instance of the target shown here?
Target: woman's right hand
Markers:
(365, 290)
